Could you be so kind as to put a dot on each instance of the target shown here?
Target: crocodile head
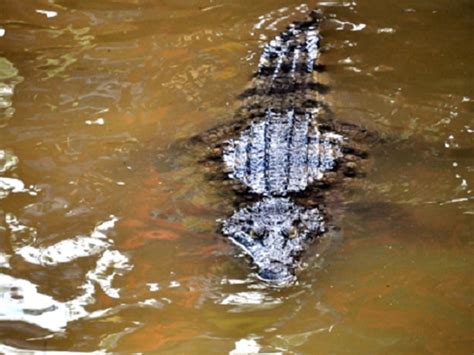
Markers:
(273, 233)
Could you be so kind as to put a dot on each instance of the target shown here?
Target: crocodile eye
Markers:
(292, 233)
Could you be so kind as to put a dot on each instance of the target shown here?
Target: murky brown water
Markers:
(107, 235)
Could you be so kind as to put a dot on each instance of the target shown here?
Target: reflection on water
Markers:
(21, 300)
(249, 298)
(245, 346)
(11, 185)
(8, 161)
(107, 227)
(9, 78)
(68, 250)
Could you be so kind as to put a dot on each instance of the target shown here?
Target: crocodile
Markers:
(283, 149)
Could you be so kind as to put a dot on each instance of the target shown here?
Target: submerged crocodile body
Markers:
(281, 150)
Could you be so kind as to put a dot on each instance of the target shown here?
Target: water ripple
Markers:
(9, 79)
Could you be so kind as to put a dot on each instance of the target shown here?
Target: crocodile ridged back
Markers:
(284, 150)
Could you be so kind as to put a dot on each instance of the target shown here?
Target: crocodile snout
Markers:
(273, 233)
(277, 274)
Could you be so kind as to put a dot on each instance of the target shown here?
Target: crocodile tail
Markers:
(295, 50)
(288, 62)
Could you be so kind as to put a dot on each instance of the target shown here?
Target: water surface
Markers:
(107, 226)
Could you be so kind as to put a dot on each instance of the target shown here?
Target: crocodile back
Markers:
(283, 150)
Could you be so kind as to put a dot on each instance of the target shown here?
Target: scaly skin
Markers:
(282, 149)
